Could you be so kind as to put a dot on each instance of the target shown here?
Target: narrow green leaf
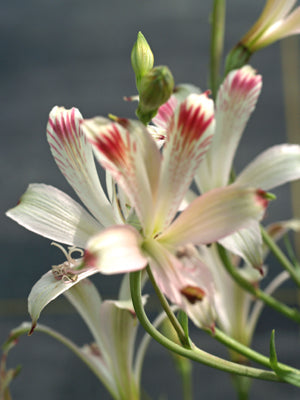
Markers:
(287, 374)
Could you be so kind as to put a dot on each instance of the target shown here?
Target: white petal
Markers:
(49, 212)
(49, 288)
(274, 167)
(188, 137)
(119, 326)
(116, 250)
(128, 152)
(215, 215)
(235, 102)
(74, 157)
(246, 243)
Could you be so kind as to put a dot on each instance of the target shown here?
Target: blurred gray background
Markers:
(77, 53)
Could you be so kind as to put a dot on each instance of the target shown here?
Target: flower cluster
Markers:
(148, 219)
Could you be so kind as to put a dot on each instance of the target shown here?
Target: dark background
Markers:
(77, 53)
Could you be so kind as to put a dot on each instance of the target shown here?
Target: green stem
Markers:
(258, 293)
(240, 348)
(194, 353)
(217, 43)
(165, 305)
(281, 257)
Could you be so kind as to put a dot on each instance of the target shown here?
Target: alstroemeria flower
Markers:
(276, 22)
(155, 184)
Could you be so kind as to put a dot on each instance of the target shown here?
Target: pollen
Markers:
(65, 271)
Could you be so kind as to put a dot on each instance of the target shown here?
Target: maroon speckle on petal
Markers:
(193, 293)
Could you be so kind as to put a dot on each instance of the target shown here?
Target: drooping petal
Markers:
(49, 212)
(235, 102)
(50, 286)
(74, 157)
(188, 137)
(274, 167)
(116, 250)
(215, 215)
(246, 243)
(128, 152)
(185, 280)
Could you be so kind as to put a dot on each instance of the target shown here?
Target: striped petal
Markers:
(274, 167)
(189, 135)
(215, 215)
(49, 212)
(235, 102)
(128, 152)
(74, 157)
(116, 250)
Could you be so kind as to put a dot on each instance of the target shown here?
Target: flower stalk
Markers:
(217, 43)
(194, 353)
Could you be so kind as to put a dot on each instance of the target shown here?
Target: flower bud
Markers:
(155, 89)
(141, 58)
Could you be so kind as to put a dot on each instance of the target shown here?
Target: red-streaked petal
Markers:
(74, 157)
(235, 102)
(188, 137)
(274, 167)
(165, 113)
(129, 153)
(47, 211)
(116, 250)
(215, 215)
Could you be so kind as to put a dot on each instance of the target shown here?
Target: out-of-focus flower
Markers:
(276, 22)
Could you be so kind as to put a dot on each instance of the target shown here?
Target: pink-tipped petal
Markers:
(128, 152)
(47, 211)
(189, 135)
(235, 102)
(116, 250)
(216, 214)
(74, 157)
(274, 167)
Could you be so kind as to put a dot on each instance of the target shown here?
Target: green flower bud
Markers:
(155, 89)
(142, 59)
